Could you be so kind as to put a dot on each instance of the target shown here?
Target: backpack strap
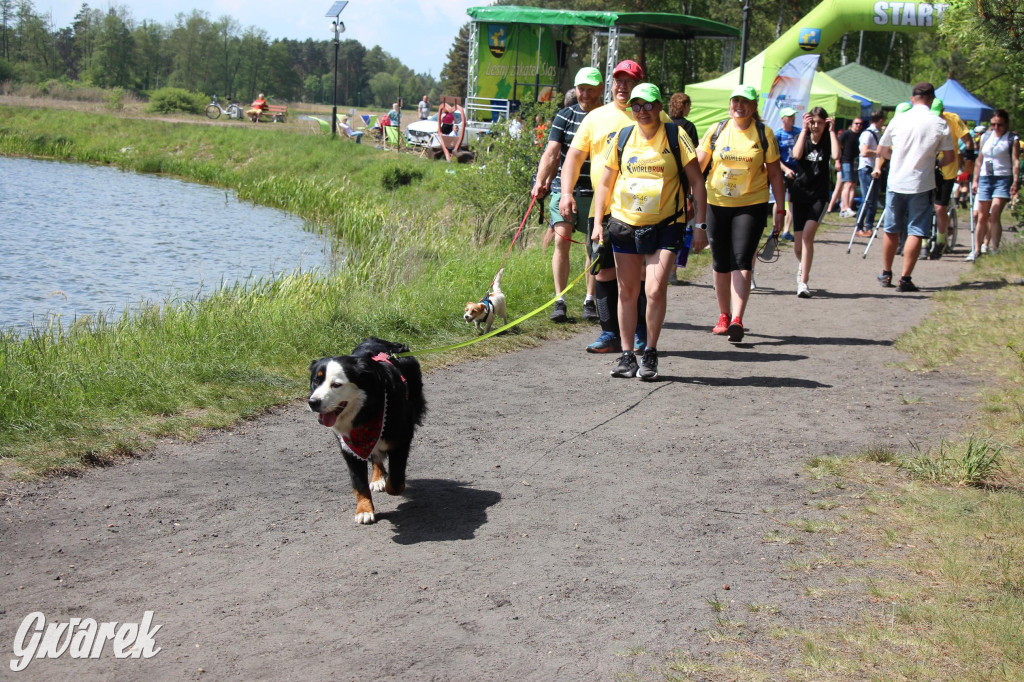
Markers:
(718, 131)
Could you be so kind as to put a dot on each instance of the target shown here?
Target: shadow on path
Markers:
(437, 510)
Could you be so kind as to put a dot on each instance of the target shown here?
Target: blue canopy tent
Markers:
(957, 99)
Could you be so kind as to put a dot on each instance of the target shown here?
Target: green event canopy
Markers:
(875, 85)
(642, 24)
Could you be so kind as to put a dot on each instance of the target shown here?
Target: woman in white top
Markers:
(995, 181)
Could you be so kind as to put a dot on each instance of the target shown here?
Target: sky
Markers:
(418, 32)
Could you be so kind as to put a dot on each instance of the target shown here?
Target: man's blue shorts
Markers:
(911, 211)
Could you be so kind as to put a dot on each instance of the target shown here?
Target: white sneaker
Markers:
(802, 291)
(846, 214)
(984, 248)
(971, 257)
(753, 284)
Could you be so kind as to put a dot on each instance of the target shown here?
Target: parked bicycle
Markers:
(233, 110)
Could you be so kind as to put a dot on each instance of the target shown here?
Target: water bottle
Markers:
(684, 251)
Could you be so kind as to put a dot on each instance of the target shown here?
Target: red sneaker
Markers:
(722, 326)
(735, 330)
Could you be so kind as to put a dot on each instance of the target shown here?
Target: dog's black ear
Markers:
(312, 365)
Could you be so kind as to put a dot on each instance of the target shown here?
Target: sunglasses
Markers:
(646, 106)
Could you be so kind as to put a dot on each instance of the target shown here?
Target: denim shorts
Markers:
(911, 211)
(994, 187)
(652, 239)
(848, 175)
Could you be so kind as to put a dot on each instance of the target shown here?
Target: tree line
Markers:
(111, 49)
(979, 44)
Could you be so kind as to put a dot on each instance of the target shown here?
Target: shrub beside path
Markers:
(558, 523)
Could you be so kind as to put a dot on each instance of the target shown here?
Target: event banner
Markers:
(792, 88)
(508, 62)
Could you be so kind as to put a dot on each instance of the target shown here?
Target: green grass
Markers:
(412, 259)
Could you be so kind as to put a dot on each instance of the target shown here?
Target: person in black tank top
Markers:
(815, 148)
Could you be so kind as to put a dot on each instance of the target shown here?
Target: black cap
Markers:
(923, 89)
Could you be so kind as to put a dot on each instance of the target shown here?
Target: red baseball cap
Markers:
(628, 68)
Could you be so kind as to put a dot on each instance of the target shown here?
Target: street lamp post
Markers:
(743, 38)
(337, 27)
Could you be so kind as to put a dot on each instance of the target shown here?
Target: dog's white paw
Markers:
(365, 518)
(378, 485)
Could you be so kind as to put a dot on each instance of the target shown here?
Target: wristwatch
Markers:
(701, 226)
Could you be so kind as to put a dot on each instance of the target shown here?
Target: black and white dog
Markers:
(373, 401)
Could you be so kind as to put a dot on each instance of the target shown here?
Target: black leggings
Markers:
(734, 233)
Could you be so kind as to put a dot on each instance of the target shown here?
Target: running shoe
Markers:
(649, 365)
(626, 367)
(753, 284)
(984, 248)
(788, 236)
(906, 285)
(606, 343)
(885, 279)
(971, 257)
(559, 313)
(847, 214)
(723, 324)
(673, 278)
(590, 311)
(735, 330)
(863, 233)
(802, 291)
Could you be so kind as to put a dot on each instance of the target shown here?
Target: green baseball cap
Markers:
(588, 75)
(937, 106)
(745, 91)
(648, 92)
(787, 111)
(903, 106)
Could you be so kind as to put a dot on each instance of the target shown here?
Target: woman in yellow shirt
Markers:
(742, 169)
(645, 197)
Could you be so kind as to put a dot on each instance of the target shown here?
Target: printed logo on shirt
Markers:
(634, 167)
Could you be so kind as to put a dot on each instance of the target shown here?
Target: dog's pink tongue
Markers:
(328, 419)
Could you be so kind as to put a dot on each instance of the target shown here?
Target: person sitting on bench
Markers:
(257, 108)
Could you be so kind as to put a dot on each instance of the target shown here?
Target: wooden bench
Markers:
(275, 113)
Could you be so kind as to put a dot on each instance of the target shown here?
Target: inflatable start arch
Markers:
(827, 23)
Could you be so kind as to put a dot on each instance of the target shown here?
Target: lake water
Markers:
(78, 239)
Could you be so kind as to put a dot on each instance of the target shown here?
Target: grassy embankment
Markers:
(921, 553)
(94, 389)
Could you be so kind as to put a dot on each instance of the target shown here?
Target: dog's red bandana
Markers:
(361, 440)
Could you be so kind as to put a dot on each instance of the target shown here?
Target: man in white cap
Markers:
(589, 85)
(786, 137)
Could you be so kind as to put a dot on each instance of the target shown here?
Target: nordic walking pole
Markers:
(860, 214)
(874, 233)
(970, 210)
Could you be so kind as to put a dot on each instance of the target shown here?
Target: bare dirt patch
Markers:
(558, 523)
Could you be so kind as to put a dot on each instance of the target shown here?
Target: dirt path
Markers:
(555, 517)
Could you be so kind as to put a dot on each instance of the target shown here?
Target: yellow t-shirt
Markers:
(647, 187)
(597, 130)
(957, 129)
(738, 175)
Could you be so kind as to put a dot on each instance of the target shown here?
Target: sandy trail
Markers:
(555, 518)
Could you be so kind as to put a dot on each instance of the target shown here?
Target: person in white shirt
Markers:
(357, 135)
(424, 108)
(911, 143)
(996, 181)
(868, 146)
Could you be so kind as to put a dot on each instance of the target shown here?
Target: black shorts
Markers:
(807, 210)
(943, 189)
(607, 259)
(734, 233)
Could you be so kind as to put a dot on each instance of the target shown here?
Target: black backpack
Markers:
(718, 131)
(672, 131)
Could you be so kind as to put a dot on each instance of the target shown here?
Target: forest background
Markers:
(979, 44)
